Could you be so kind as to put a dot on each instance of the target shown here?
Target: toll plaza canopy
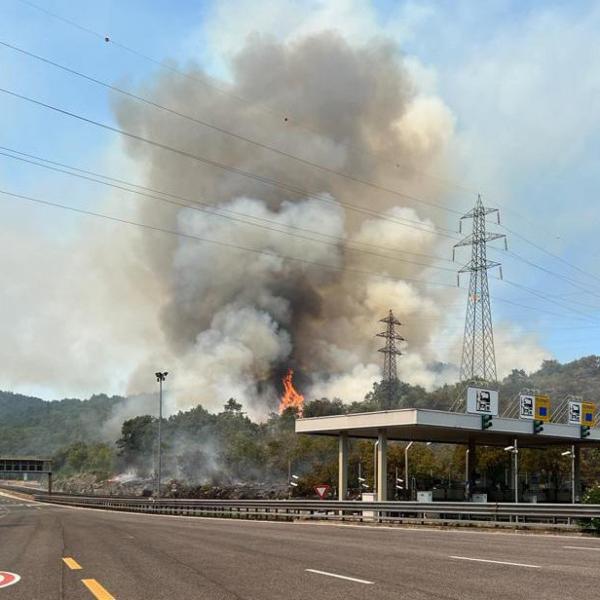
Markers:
(425, 425)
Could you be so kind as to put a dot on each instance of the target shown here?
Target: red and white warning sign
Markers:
(7, 579)
(322, 490)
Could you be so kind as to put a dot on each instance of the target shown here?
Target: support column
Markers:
(471, 469)
(342, 466)
(382, 495)
(577, 471)
(516, 469)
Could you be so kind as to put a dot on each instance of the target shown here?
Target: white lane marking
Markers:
(497, 562)
(582, 548)
(340, 576)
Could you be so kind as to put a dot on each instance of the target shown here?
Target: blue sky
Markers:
(519, 78)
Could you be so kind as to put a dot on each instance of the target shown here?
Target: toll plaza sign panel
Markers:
(581, 413)
(526, 406)
(482, 402)
(574, 417)
(534, 407)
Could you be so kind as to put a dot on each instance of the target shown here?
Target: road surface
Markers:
(72, 553)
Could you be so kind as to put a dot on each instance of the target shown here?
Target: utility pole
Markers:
(478, 355)
(160, 377)
(389, 351)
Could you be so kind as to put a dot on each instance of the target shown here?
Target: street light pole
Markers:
(573, 491)
(376, 445)
(514, 450)
(571, 453)
(160, 377)
(406, 479)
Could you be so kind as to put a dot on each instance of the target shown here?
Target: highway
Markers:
(129, 556)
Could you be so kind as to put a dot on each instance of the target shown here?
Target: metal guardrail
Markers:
(492, 514)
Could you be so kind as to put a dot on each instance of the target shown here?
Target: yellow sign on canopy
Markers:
(542, 408)
(588, 410)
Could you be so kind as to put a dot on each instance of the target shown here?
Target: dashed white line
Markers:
(354, 579)
(497, 562)
(597, 549)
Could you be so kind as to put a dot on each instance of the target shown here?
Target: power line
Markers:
(285, 118)
(231, 133)
(171, 232)
(580, 286)
(545, 251)
(248, 140)
(216, 242)
(83, 174)
(197, 206)
(219, 165)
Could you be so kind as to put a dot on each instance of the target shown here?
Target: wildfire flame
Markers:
(290, 398)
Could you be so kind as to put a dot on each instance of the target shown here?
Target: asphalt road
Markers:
(137, 556)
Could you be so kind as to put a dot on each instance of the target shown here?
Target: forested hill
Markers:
(30, 425)
(580, 377)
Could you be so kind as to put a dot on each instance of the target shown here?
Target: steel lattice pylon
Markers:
(390, 371)
(478, 356)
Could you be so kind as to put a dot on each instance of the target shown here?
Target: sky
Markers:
(518, 80)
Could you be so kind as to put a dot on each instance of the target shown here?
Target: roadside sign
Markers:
(526, 406)
(542, 408)
(7, 579)
(587, 413)
(322, 489)
(574, 413)
(482, 402)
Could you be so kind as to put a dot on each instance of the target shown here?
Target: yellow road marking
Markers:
(99, 592)
(72, 563)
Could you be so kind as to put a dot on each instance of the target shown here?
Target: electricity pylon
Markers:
(390, 370)
(478, 356)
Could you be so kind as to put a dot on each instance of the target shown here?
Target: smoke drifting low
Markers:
(234, 320)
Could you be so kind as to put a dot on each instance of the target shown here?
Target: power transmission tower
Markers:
(478, 356)
(390, 371)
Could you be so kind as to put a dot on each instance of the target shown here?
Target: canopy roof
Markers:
(424, 425)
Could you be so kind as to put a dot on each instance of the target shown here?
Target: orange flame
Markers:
(290, 398)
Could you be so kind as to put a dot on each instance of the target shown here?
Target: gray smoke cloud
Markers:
(233, 321)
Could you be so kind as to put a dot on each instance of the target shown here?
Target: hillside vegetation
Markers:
(202, 448)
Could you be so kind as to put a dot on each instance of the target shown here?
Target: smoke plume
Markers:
(234, 320)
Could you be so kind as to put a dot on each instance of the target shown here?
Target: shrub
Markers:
(592, 496)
